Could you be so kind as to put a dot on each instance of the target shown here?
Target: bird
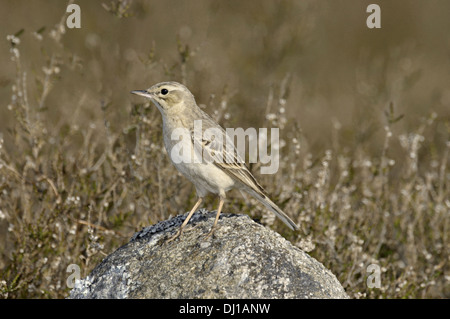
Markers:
(210, 174)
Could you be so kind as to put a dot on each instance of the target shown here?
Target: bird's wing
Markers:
(221, 151)
(217, 147)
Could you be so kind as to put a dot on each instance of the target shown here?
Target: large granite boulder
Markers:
(243, 259)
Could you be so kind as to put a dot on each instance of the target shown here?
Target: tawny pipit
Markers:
(216, 175)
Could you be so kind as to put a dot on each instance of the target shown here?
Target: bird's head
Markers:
(169, 97)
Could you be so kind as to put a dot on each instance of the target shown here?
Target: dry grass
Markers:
(364, 126)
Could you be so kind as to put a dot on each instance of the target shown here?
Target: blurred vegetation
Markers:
(364, 117)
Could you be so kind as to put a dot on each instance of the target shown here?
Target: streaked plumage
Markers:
(221, 169)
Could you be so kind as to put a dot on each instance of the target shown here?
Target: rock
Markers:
(242, 260)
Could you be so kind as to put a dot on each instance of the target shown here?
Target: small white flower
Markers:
(38, 36)
(13, 39)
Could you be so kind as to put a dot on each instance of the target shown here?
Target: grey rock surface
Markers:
(242, 260)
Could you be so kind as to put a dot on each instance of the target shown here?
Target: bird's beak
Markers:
(143, 93)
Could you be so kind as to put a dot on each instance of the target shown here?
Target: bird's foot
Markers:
(179, 232)
(211, 232)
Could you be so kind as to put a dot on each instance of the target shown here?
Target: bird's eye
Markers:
(164, 91)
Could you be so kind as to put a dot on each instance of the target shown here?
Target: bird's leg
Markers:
(199, 201)
(222, 200)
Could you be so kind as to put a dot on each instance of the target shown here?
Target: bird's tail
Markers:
(272, 207)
